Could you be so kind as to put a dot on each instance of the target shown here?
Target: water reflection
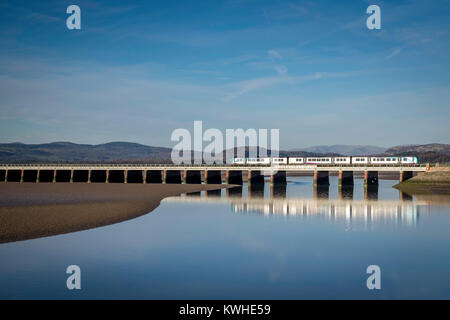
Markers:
(278, 191)
(369, 211)
(321, 192)
(346, 192)
(256, 190)
(234, 192)
(213, 193)
(193, 194)
(282, 245)
(404, 196)
(371, 192)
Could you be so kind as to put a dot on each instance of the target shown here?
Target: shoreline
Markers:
(29, 210)
(435, 181)
(424, 188)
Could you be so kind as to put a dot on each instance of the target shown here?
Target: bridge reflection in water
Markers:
(366, 213)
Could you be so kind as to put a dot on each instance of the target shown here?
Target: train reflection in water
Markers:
(367, 212)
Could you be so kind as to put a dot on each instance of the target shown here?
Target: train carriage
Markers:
(258, 161)
(409, 160)
(238, 161)
(341, 160)
(318, 160)
(384, 160)
(360, 160)
(326, 160)
(279, 161)
(296, 160)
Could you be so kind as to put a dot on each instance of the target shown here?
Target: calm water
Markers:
(287, 243)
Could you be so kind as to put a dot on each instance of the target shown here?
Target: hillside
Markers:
(134, 152)
(72, 152)
(349, 150)
(432, 153)
(108, 152)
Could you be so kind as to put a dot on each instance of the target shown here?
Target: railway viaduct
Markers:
(195, 174)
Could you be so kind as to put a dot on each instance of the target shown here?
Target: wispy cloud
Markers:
(273, 54)
(156, 66)
(243, 87)
(281, 69)
(247, 86)
(394, 52)
(40, 17)
(202, 72)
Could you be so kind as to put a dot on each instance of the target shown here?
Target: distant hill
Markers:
(72, 152)
(433, 152)
(349, 150)
(114, 152)
(119, 152)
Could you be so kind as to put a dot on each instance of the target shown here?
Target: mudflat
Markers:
(30, 210)
(435, 181)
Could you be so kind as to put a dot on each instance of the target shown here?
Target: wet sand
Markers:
(435, 181)
(30, 210)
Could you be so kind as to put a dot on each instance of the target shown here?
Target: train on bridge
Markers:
(325, 160)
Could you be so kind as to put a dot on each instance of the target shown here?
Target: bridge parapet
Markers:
(334, 168)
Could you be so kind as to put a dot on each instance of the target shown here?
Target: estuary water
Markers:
(249, 243)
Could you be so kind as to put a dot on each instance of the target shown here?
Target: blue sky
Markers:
(137, 70)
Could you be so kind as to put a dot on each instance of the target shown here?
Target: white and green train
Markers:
(324, 160)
